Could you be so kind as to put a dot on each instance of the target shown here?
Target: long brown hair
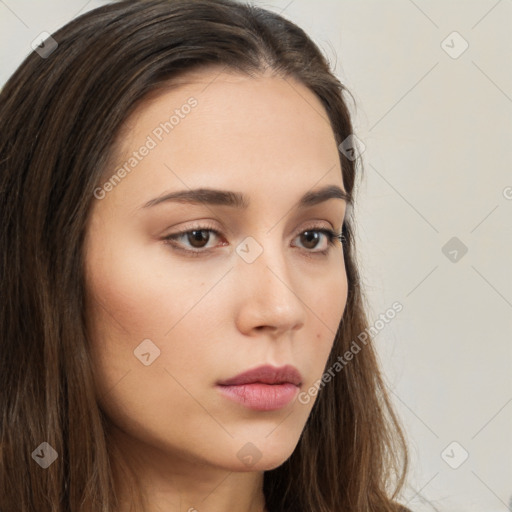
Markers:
(60, 116)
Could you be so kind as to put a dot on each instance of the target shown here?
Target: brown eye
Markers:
(310, 239)
(198, 237)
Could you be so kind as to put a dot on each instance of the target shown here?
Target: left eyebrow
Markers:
(240, 201)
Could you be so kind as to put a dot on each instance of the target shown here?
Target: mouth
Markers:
(265, 388)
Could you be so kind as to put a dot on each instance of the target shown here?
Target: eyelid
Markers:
(207, 225)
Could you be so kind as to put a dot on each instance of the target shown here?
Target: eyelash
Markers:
(331, 235)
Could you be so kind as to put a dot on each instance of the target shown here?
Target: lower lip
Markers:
(261, 397)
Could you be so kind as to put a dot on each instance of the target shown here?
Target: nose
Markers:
(269, 297)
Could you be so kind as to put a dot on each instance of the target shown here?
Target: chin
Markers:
(263, 455)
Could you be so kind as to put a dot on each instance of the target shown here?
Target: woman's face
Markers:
(170, 320)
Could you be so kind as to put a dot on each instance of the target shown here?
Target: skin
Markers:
(215, 315)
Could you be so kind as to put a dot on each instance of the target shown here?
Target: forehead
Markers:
(218, 128)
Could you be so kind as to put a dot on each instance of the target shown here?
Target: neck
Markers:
(171, 483)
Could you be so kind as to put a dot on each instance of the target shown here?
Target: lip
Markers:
(266, 374)
(265, 388)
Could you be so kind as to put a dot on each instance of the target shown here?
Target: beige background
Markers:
(436, 125)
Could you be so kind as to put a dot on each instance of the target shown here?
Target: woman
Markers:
(181, 303)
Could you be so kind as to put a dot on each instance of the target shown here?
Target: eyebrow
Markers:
(240, 201)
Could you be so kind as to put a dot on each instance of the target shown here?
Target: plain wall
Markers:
(436, 165)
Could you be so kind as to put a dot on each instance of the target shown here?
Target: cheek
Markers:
(129, 305)
(142, 294)
(327, 311)
(139, 291)
(330, 298)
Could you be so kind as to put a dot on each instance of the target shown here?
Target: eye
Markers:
(198, 237)
(310, 239)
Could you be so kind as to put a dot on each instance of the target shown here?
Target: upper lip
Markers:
(266, 374)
